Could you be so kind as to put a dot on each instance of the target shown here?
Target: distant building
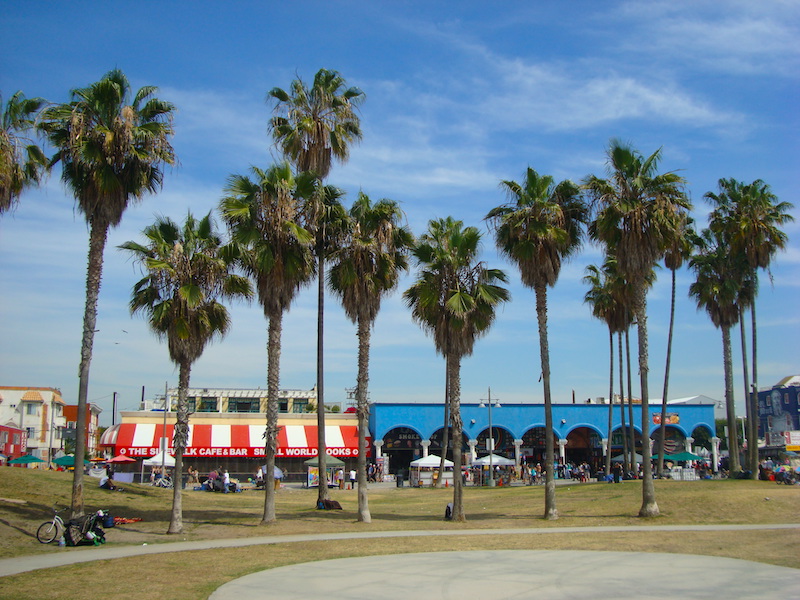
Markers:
(39, 413)
(779, 414)
(13, 443)
(92, 425)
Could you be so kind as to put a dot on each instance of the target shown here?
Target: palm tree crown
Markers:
(22, 162)
(112, 144)
(540, 225)
(264, 216)
(314, 126)
(368, 264)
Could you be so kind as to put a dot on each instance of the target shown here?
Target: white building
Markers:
(37, 411)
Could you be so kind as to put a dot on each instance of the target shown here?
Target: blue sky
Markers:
(459, 97)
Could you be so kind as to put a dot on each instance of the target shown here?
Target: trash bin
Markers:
(400, 477)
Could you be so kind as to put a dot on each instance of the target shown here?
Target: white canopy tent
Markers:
(430, 461)
(424, 470)
(495, 461)
(156, 461)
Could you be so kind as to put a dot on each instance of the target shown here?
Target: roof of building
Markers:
(790, 381)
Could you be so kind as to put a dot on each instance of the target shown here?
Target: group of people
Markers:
(219, 480)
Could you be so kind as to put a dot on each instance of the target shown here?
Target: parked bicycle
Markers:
(50, 530)
(163, 482)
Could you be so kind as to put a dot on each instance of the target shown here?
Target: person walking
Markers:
(353, 476)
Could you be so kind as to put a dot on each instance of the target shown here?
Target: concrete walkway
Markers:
(519, 575)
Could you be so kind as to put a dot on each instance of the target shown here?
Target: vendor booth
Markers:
(333, 466)
(425, 471)
(501, 466)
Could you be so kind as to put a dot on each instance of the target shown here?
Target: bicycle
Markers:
(163, 482)
(50, 530)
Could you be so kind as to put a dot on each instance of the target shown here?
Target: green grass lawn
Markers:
(28, 495)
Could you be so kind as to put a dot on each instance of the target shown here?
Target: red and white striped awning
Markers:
(141, 440)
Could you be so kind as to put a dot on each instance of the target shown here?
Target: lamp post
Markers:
(491, 434)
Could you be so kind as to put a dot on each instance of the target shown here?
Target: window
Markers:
(244, 405)
(207, 405)
(16, 439)
(3, 437)
(786, 399)
(299, 406)
(31, 432)
(30, 408)
(283, 406)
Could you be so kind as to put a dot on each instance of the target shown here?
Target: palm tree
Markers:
(263, 216)
(752, 215)
(540, 226)
(638, 211)
(676, 252)
(367, 267)
(112, 145)
(716, 290)
(604, 299)
(454, 300)
(186, 277)
(313, 127)
(22, 162)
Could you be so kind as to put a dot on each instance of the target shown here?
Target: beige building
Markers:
(39, 413)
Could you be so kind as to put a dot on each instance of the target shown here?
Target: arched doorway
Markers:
(533, 446)
(616, 447)
(401, 445)
(503, 443)
(674, 440)
(584, 445)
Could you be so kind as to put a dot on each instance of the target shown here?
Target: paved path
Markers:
(68, 556)
(519, 575)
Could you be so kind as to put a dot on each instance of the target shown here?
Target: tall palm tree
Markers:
(753, 216)
(263, 215)
(313, 127)
(677, 251)
(454, 299)
(22, 162)
(186, 277)
(716, 290)
(604, 299)
(638, 211)
(112, 145)
(540, 226)
(367, 267)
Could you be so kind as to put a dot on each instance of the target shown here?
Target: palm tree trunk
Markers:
(610, 398)
(271, 435)
(446, 431)
(322, 492)
(631, 429)
(458, 426)
(745, 372)
(662, 430)
(622, 424)
(364, 331)
(733, 441)
(94, 273)
(753, 427)
(550, 510)
(180, 439)
(649, 506)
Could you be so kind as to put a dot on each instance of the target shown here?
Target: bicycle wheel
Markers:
(47, 532)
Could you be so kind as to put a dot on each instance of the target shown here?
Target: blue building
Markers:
(403, 432)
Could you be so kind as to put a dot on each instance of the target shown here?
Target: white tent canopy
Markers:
(430, 461)
(496, 460)
(161, 458)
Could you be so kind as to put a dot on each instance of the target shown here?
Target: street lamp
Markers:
(483, 404)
